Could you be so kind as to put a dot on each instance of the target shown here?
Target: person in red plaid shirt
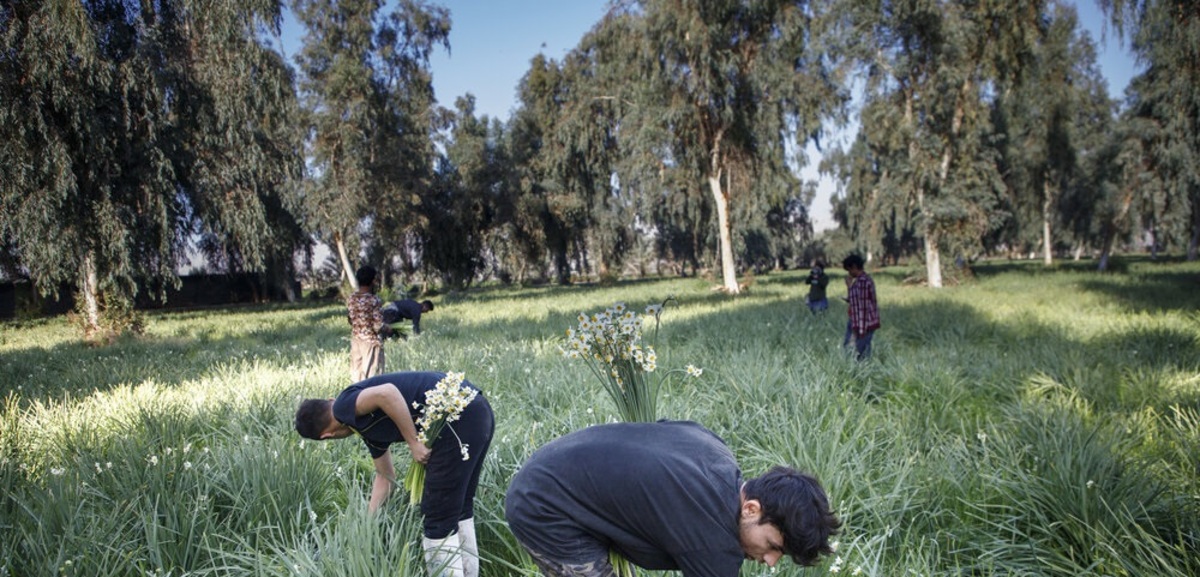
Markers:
(863, 309)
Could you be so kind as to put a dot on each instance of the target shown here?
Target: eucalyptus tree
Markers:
(1165, 38)
(459, 210)
(722, 85)
(125, 129)
(1049, 120)
(585, 161)
(872, 201)
(368, 95)
(544, 216)
(240, 151)
(931, 67)
(1106, 205)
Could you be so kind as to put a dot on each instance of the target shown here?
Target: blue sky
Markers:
(492, 42)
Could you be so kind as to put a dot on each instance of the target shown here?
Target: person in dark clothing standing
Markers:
(665, 496)
(817, 280)
(397, 311)
(383, 410)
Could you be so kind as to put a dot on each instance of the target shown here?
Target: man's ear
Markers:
(751, 509)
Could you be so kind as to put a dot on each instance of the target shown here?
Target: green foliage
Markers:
(965, 446)
(367, 95)
(1165, 36)
(116, 124)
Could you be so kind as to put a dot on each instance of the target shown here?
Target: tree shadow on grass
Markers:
(1150, 291)
(183, 346)
(1138, 283)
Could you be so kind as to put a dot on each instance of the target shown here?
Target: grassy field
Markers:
(1031, 422)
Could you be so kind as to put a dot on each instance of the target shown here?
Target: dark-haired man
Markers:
(665, 496)
(397, 311)
(363, 310)
(861, 306)
(383, 410)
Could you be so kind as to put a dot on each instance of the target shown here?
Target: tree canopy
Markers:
(127, 129)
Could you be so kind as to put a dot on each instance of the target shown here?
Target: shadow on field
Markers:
(1150, 291)
(1136, 282)
(185, 346)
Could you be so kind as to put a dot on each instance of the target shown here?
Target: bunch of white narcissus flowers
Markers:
(444, 404)
(611, 336)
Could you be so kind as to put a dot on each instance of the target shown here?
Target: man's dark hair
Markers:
(312, 418)
(795, 503)
(853, 261)
(365, 275)
(426, 306)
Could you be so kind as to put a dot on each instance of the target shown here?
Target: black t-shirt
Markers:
(377, 429)
(664, 495)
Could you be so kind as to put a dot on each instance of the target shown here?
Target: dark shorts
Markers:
(450, 482)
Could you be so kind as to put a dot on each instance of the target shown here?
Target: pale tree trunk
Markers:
(90, 291)
(1047, 204)
(725, 229)
(1113, 228)
(728, 274)
(346, 267)
(933, 260)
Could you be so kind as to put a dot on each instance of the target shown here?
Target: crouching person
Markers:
(664, 496)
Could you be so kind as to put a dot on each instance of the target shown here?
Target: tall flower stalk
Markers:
(444, 404)
(610, 344)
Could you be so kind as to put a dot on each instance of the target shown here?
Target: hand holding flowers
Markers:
(444, 404)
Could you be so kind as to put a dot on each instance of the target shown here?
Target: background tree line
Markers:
(668, 141)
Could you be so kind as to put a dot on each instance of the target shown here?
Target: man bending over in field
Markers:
(665, 496)
(397, 311)
(383, 410)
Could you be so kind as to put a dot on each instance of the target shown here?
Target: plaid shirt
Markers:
(366, 316)
(864, 311)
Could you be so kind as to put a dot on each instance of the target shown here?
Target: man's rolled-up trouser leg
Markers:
(600, 567)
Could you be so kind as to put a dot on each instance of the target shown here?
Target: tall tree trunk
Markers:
(933, 258)
(1112, 228)
(728, 274)
(1047, 204)
(725, 228)
(346, 266)
(90, 291)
